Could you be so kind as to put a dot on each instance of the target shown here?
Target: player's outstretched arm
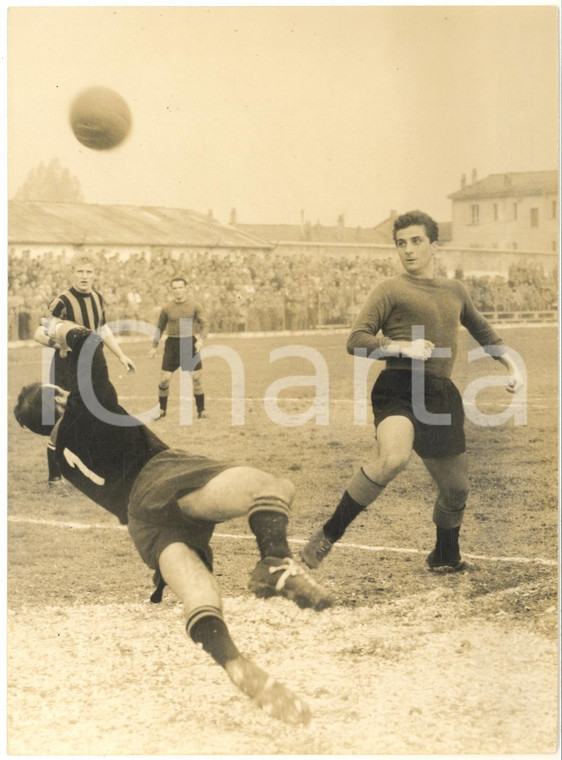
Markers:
(110, 341)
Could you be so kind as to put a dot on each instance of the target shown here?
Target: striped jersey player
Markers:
(82, 305)
(183, 321)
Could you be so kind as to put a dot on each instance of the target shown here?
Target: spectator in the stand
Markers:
(24, 317)
(334, 288)
(134, 300)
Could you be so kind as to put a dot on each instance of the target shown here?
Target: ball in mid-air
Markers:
(100, 118)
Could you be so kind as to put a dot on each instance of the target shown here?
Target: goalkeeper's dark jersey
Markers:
(100, 458)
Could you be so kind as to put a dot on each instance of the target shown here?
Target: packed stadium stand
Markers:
(244, 290)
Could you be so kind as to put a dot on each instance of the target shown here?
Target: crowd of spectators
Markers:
(242, 290)
(526, 288)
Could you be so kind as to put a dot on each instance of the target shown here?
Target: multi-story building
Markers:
(512, 211)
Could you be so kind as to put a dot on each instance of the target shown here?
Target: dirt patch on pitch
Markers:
(419, 674)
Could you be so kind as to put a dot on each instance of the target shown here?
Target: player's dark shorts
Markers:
(155, 519)
(180, 352)
(392, 395)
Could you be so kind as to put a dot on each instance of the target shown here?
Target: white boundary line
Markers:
(362, 547)
(216, 337)
(334, 401)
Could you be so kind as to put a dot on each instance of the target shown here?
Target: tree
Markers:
(52, 183)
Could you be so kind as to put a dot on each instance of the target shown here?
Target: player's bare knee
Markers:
(392, 463)
(286, 489)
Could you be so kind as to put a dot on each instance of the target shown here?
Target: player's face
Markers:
(415, 250)
(83, 279)
(179, 291)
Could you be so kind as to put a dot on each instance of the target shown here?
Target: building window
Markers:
(534, 217)
(554, 246)
(514, 246)
(554, 208)
(495, 212)
(475, 214)
(515, 210)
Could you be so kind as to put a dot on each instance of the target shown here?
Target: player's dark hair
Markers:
(179, 278)
(416, 217)
(29, 409)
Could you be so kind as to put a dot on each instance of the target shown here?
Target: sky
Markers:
(278, 110)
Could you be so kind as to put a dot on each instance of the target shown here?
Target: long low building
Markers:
(64, 228)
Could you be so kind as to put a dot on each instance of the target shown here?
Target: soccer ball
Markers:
(100, 118)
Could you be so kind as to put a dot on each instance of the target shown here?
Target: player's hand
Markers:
(419, 349)
(152, 353)
(127, 363)
(198, 344)
(48, 324)
(515, 383)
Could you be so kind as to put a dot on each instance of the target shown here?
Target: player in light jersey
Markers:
(181, 350)
(171, 500)
(82, 305)
(415, 384)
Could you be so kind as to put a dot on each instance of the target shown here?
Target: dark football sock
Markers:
(448, 541)
(268, 519)
(207, 627)
(344, 514)
(163, 401)
(52, 465)
(160, 583)
(200, 402)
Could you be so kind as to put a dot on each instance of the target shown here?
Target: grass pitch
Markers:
(84, 643)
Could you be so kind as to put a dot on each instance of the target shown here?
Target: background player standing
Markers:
(415, 403)
(172, 500)
(82, 305)
(181, 350)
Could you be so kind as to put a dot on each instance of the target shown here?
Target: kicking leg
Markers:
(266, 500)
(196, 587)
(451, 477)
(395, 438)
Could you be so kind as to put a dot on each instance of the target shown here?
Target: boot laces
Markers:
(288, 569)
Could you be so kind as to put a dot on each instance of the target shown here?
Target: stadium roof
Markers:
(313, 233)
(85, 224)
(509, 185)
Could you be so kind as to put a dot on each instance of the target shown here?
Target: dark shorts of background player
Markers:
(155, 519)
(180, 352)
(392, 395)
